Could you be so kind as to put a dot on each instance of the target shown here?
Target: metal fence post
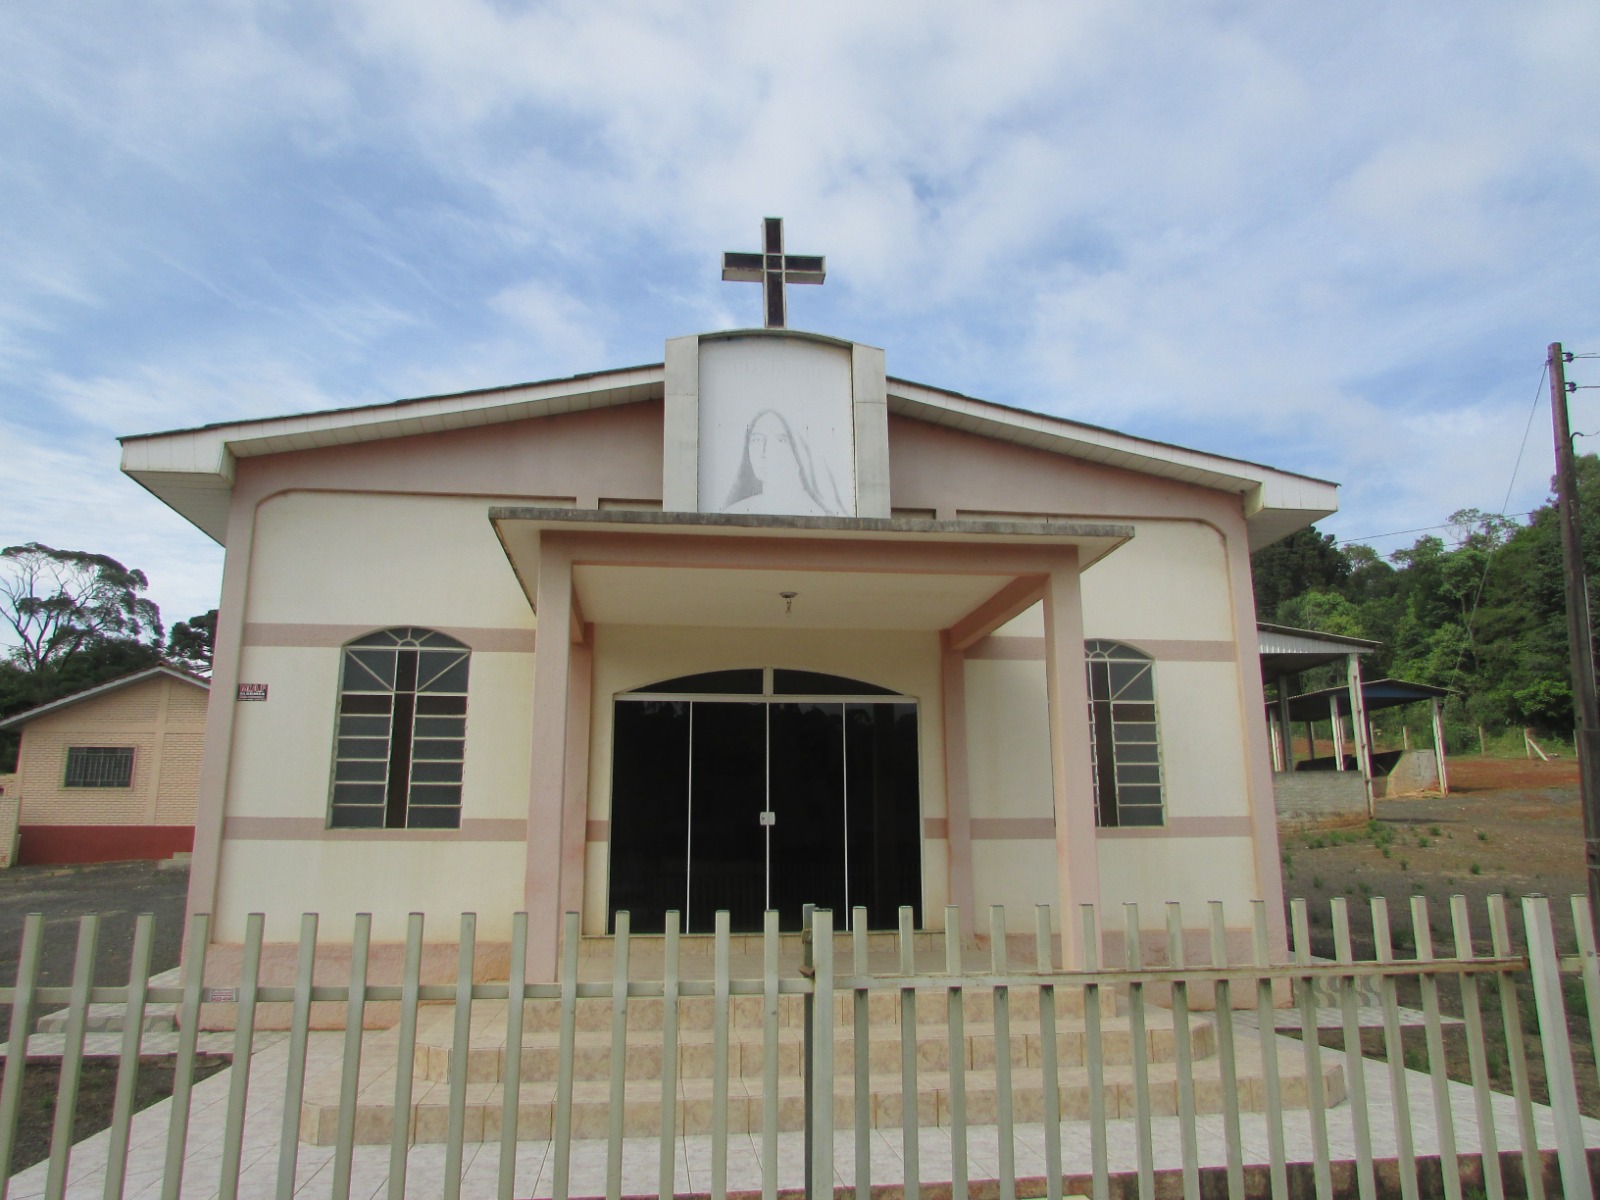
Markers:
(822, 1057)
(808, 968)
(1545, 967)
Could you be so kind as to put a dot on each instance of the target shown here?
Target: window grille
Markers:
(1124, 743)
(402, 732)
(99, 767)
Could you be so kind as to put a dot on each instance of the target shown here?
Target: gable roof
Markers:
(192, 470)
(17, 720)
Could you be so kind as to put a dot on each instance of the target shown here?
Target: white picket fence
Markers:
(838, 988)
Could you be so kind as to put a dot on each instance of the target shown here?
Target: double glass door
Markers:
(746, 804)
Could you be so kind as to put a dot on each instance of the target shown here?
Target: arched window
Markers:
(402, 732)
(1125, 746)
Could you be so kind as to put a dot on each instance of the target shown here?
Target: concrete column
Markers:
(552, 665)
(958, 799)
(1338, 732)
(1360, 729)
(1283, 721)
(1072, 786)
(217, 755)
(575, 799)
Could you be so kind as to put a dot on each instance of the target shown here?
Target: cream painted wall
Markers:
(628, 657)
(1129, 596)
(1202, 739)
(373, 561)
(381, 560)
(1019, 875)
(302, 697)
(1131, 593)
(303, 689)
(388, 878)
(1008, 743)
(1150, 871)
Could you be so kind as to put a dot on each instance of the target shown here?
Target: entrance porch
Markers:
(642, 597)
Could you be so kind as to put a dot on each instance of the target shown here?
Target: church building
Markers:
(755, 626)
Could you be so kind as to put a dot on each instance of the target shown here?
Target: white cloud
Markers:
(1329, 237)
(70, 495)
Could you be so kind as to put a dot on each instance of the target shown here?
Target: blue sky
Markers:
(1333, 238)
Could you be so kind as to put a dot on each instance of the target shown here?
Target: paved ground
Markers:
(119, 892)
(261, 1151)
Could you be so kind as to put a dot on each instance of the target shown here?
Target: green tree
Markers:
(1324, 611)
(191, 641)
(78, 620)
(59, 602)
(1302, 561)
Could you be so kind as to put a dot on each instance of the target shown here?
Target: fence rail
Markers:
(1105, 1075)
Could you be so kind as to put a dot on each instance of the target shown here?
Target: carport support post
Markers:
(1072, 785)
(1438, 745)
(552, 666)
(1337, 726)
(1285, 726)
(1362, 732)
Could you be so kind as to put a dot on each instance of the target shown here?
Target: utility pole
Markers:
(1581, 644)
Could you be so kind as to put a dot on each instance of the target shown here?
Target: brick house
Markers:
(108, 773)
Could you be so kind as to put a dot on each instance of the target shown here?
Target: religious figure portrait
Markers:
(779, 473)
(776, 428)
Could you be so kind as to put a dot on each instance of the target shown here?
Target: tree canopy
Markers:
(59, 602)
(1480, 610)
(78, 619)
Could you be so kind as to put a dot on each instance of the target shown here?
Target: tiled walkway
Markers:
(640, 1156)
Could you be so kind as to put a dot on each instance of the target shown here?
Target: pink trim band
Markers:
(1013, 829)
(1031, 649)
(1186, 827)
(308, 636)
(314, 829)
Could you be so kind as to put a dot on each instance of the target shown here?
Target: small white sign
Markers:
(769, 818)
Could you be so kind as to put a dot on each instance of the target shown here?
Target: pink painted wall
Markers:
(612, 453)
(935, 467)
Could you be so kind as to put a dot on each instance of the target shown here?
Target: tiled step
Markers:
(642, 1099)
(112, 1018)
(698, 1012)
(747, 1046)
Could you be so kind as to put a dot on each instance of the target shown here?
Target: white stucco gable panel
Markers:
(776, 428)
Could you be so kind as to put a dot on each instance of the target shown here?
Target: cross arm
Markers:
(743, 268)
(804, 268)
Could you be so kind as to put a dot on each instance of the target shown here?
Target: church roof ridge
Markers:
(391, 404)
(192, 469)
(1089, 426)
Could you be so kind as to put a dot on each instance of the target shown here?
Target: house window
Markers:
(402, 732)
(99, 767)
(1124, 745)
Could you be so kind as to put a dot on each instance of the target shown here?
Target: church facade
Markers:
(756, 626)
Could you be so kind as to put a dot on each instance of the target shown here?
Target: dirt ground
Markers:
(1509, 826)
(119, 892)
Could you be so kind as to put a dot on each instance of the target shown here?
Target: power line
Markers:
(1372, 537)
(1533, 411)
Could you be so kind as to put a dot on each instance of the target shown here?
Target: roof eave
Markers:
(17, 720)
